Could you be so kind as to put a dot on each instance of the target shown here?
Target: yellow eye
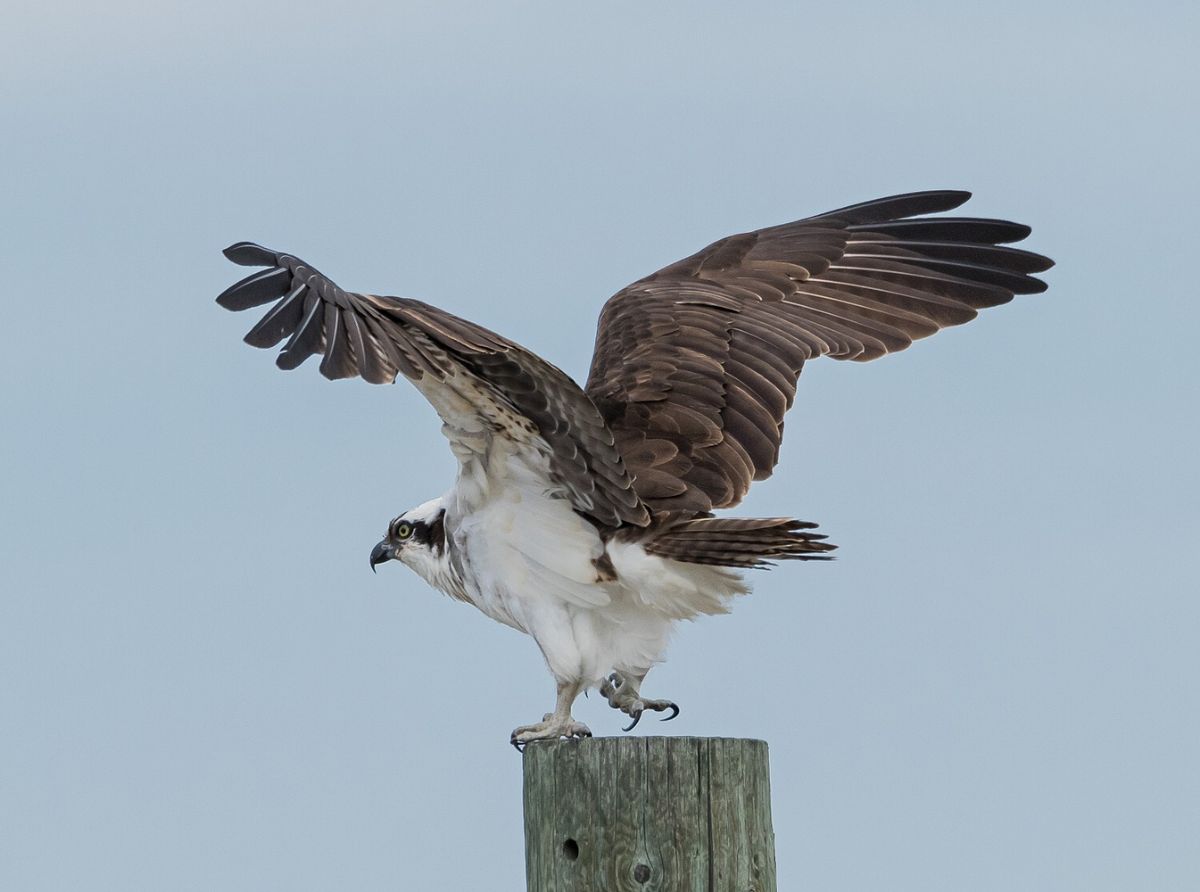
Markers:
(404, 531)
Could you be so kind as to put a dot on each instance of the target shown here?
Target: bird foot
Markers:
(552, 727)
(623, 694)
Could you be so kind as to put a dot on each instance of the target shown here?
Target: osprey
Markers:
(584, 517)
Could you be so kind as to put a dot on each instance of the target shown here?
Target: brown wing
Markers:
(695, 365)
(478, 381)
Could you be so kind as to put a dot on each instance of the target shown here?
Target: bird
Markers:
(586, 517)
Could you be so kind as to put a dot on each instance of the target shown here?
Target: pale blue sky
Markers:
(202, 685)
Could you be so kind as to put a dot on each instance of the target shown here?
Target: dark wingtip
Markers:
(256, 289)
(1050, 264)
(250, 254)
(942, 200)
(895, 208)
(958, 196)
(1026, 231)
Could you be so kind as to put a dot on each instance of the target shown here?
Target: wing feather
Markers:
(476, 379)
(255, 290)
(282, 318)
(306, 338)
(696, 365)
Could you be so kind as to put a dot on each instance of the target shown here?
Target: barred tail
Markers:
(740, 542)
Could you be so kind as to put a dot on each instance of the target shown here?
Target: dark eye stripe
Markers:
(428, 534)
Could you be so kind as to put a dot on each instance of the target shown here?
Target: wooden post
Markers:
(648, 814)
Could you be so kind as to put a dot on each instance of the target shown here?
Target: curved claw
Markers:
(517, 745)
(637, 718)
(674, 712)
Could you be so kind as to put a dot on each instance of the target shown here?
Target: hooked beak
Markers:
(382, 553)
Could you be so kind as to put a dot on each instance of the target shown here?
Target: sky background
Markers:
(203, 687)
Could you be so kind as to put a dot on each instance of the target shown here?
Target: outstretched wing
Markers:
(481, 384)
(695, 365)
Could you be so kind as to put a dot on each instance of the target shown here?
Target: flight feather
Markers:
(696, 364)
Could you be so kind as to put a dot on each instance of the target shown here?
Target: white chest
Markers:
(521, 549)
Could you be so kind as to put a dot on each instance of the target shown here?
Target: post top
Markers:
(641, 739)
(644, 747)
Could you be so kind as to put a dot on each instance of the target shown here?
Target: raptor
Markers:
(585, 517)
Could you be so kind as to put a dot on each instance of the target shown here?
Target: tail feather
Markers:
(741, 541)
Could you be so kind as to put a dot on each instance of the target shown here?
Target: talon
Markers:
(550, 729)
(636, 718)
(674, 712)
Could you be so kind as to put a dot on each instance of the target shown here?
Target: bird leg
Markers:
(622, 690)
(554, 724)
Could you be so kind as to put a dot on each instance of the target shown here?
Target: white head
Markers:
(417, 538)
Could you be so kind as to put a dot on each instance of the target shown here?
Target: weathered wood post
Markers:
(648, 814)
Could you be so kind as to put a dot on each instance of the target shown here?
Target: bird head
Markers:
(417, 539)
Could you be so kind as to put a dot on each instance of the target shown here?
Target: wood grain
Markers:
(648, 814)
